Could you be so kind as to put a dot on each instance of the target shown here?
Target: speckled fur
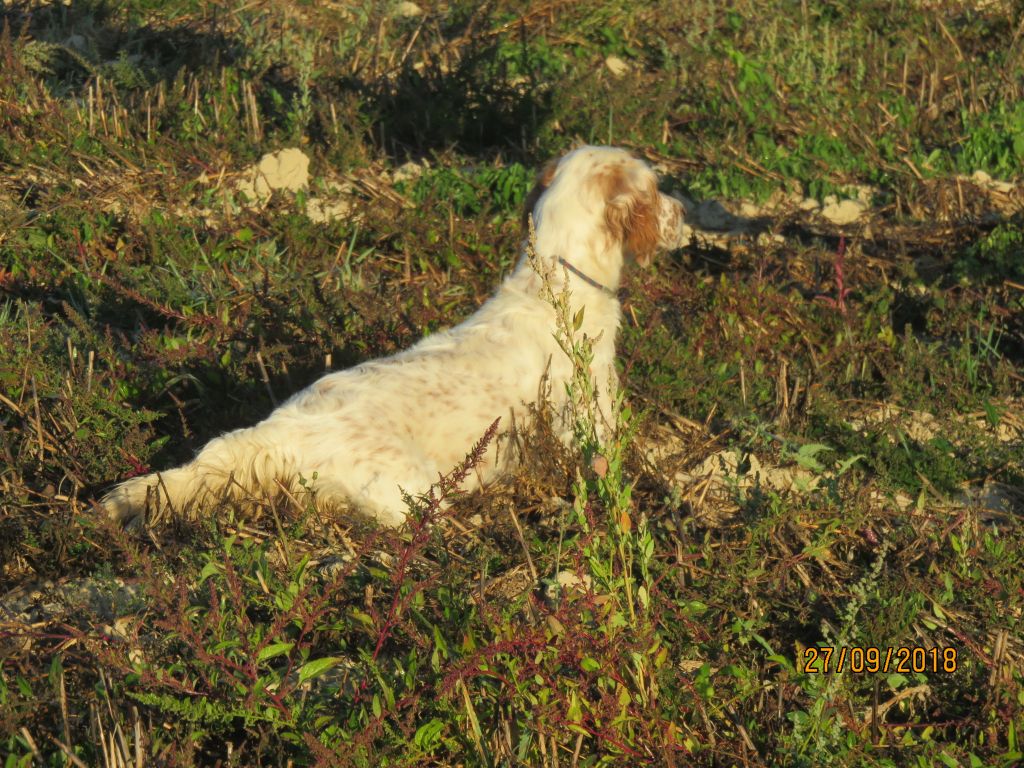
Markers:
(369, 432)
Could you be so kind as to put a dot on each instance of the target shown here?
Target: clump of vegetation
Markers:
(822, 430)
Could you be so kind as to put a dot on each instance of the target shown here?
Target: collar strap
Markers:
(587, 278)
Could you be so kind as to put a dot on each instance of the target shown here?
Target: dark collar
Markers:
(587, 278)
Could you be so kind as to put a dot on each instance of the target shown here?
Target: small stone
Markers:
(618, 67)
(321, 210)
(843, 212)
(409, 171)
(572, 579)
(865, 193)
(406, 10)
(749, 210)
(565, 582)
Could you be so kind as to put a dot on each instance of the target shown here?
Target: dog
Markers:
(370, 434)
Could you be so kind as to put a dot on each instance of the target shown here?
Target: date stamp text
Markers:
(867, 658)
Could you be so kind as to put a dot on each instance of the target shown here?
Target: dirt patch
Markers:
(922, 426)
(713, 481)
(46, 601)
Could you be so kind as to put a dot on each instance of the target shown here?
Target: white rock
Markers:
(723, 471)
(983, 179)
(287, 169)
(750, 210)
(408, 171)
(406, 10)
(865, 193)
(844, 211)
(567, 581)
(616, 66)
(320, 210)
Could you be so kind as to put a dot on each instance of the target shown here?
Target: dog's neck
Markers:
(587, 278)
(564, 273)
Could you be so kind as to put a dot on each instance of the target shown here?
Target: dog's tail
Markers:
(233, 464)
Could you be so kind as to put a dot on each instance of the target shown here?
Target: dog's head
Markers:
(606, 201)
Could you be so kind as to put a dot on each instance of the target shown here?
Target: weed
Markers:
(994, 257)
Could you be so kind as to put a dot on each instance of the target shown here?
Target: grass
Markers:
(606, 605)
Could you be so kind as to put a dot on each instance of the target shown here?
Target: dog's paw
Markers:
(126, 504)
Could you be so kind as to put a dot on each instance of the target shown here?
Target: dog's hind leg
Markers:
(239, 461)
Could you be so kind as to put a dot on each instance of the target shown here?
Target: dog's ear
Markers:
(544, 178)
(631, 214)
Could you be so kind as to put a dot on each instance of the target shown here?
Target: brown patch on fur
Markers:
(631, 214)
(544, 178)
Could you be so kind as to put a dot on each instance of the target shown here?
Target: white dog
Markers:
(387, 426)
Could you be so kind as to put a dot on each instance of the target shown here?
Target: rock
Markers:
(865, 193)
(406, 10)
(843, 211)
(287, 169)
(917, 425)
(409, 171)
(750, 210)
(769, 238)
(567, 579)
(567, 582)
(320, 210)
(985, 181)
(616, 66)
(722, 469)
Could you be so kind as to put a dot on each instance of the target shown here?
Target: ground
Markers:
(821, 455)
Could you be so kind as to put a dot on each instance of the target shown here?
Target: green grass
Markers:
(145, 309)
